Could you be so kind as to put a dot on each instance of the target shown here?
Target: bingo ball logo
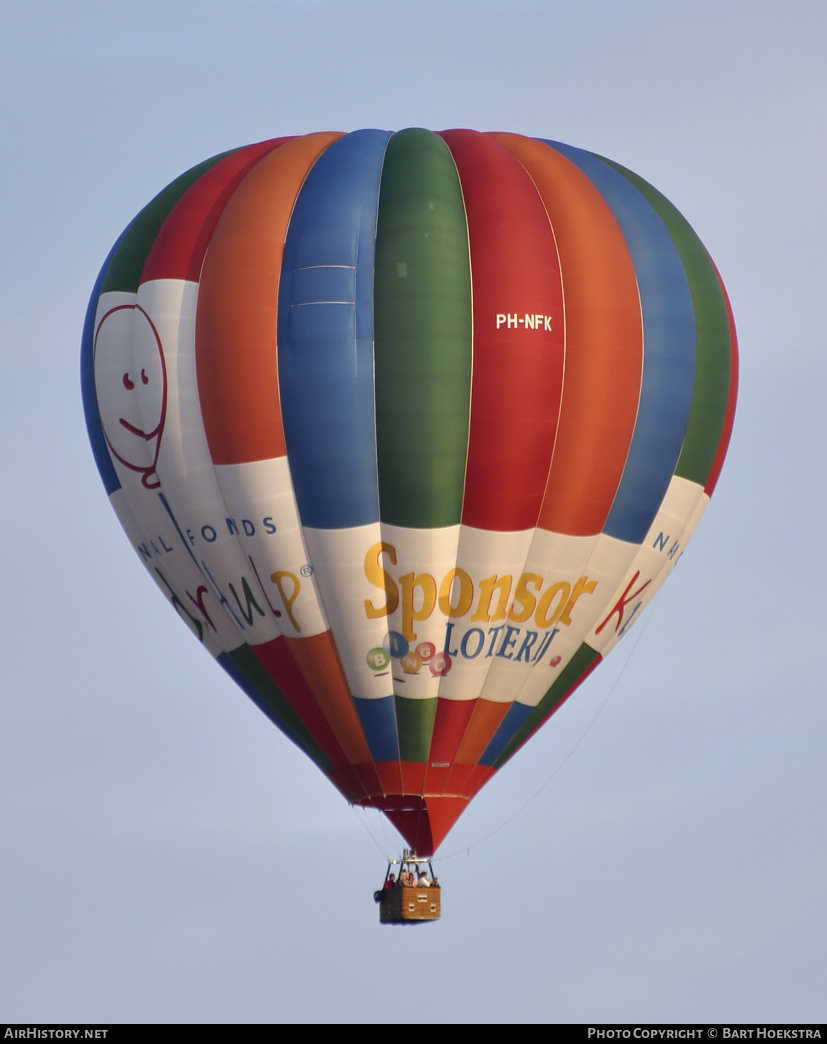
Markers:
(397, 647)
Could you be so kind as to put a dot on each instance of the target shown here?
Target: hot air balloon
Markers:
(408, 428)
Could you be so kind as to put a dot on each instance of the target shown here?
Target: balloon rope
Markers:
(382, 843)
(467, 850)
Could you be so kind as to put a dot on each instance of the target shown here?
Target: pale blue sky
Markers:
(166, 855)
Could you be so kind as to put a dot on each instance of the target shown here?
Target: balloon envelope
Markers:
(408, 428)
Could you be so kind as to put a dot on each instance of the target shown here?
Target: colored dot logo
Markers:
(396, 644)
(378, 659)
(426, 651)
(397, 647)
(440, 664)
(411, 663)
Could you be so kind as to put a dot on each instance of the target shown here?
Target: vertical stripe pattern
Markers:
(408, 428)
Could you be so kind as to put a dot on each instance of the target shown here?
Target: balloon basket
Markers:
(401, 903)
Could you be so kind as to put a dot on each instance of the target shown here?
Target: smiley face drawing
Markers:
(131, 387)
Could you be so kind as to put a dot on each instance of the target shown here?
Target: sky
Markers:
(657, 852)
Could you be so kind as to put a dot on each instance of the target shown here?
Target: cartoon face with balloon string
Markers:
(131, 387)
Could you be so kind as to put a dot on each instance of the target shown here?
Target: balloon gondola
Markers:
(408, 428)
(411, 893)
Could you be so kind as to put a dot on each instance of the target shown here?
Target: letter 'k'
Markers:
(623, 601)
